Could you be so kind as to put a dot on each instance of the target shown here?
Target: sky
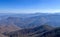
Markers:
(29, 6)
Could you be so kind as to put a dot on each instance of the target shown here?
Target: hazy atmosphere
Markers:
(29, 6)
(29, 18)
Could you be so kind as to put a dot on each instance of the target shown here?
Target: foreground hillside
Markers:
(52, 33)
(41, 31)
(32, 32)
(1, 35)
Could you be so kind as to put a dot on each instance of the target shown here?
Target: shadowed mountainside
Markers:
(32, 32)
(52, 33)
(1, 35)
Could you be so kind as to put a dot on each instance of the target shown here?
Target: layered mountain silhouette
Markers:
(28, 25)
(30, 20)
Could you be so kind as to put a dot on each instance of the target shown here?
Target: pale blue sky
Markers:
(29, 6)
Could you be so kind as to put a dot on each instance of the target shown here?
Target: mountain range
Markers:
(28, 23)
